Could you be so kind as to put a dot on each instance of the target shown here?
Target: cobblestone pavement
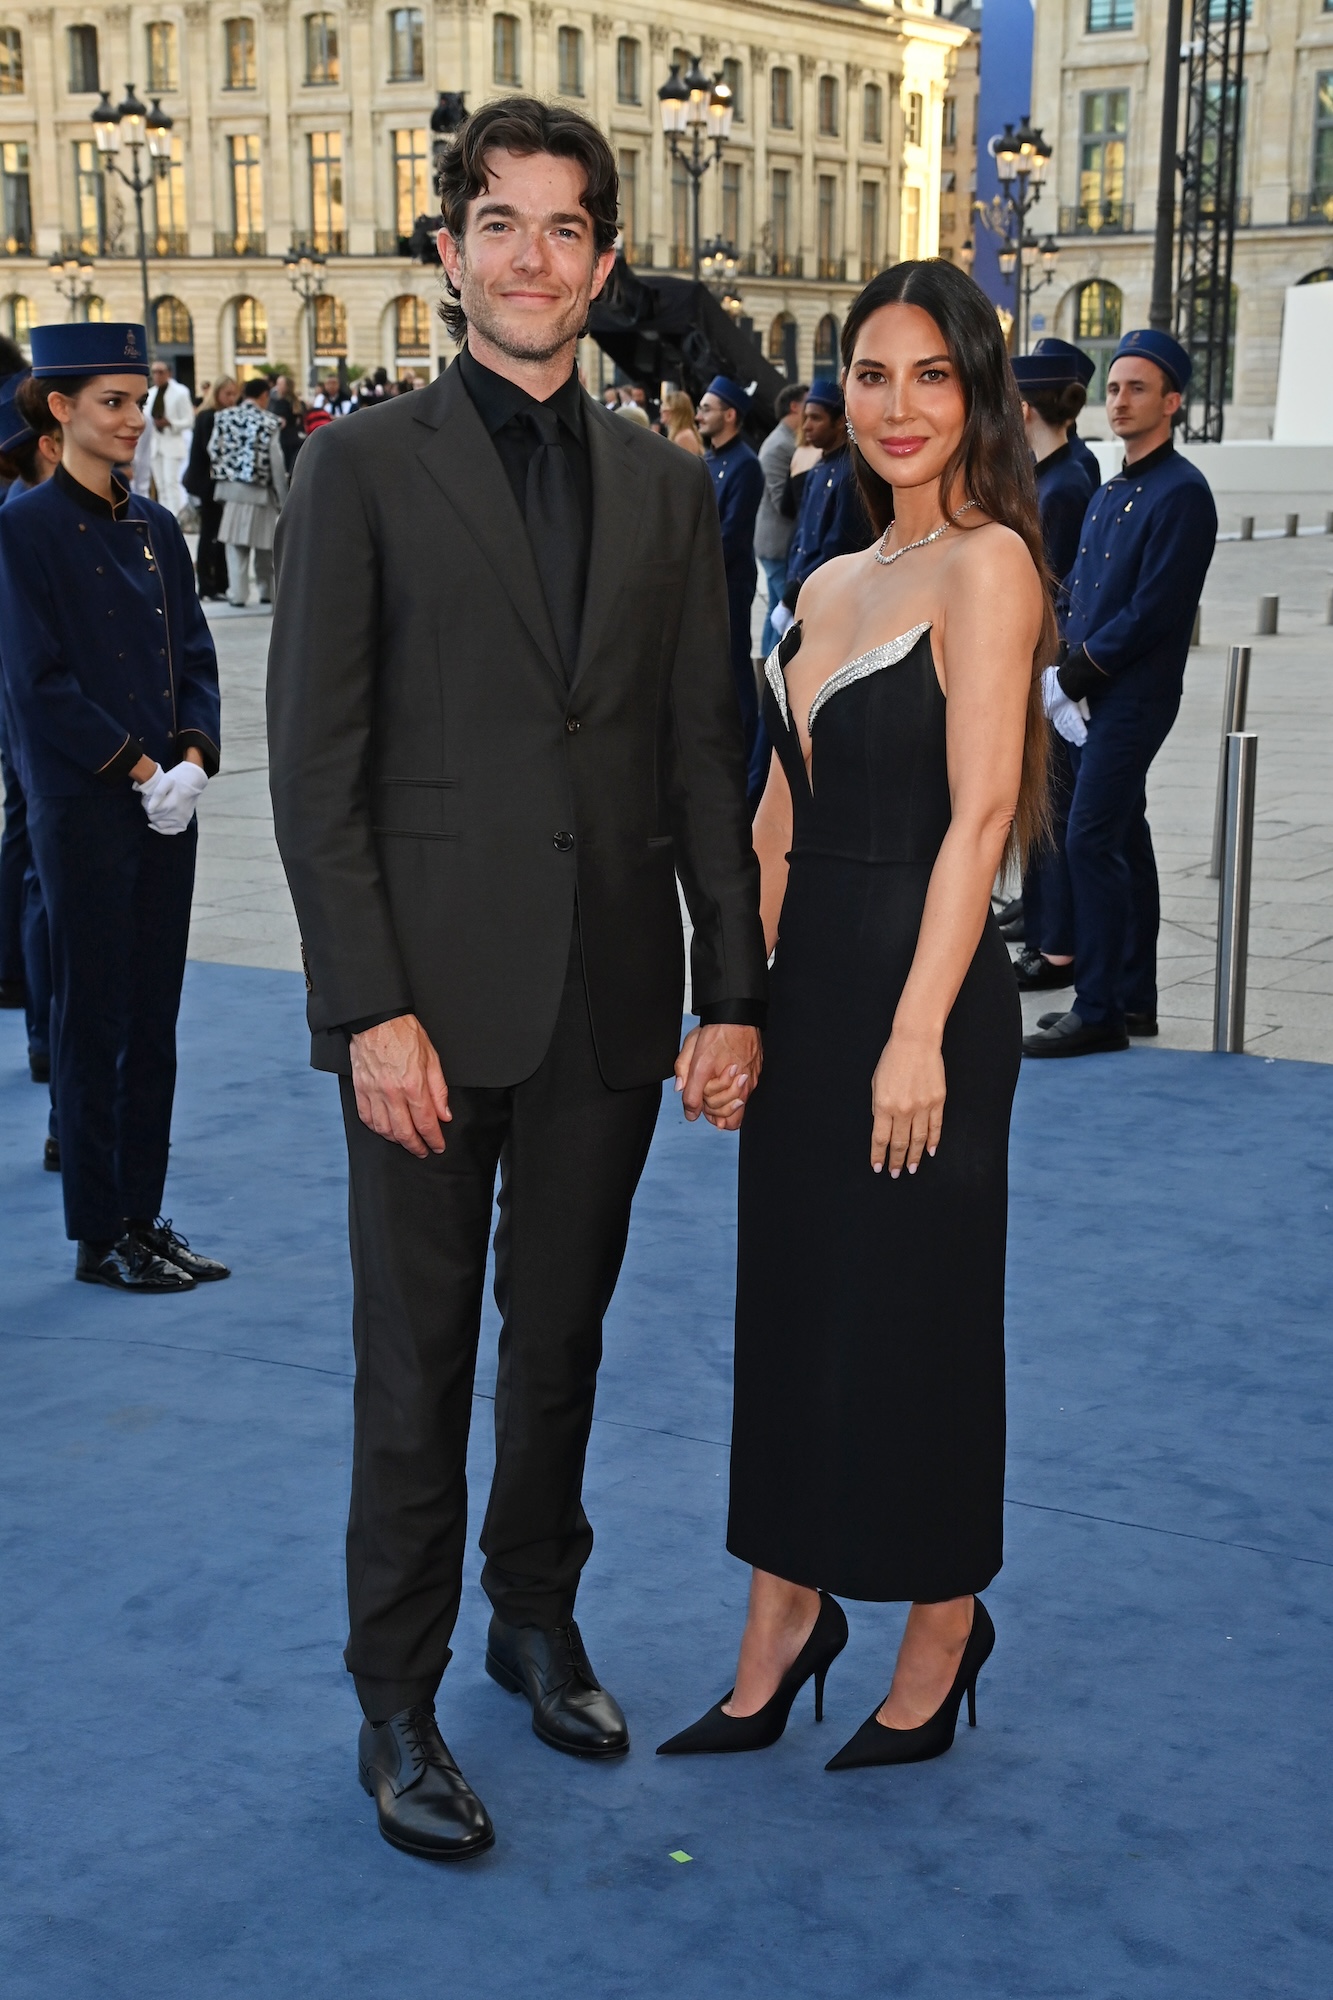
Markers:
(243, 915)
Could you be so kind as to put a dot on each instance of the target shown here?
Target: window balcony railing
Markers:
(238, 243)
(329, 242)
(169, 243)
(638, 253)
(1097, 218)
(388, 243)
(1317, 206)
(831, 267)
(17, 244)
(682, 257)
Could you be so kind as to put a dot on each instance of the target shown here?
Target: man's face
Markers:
(161, 374)
(331, 385)
(716, 419)
(1139, 398)
(526, 269)
(821, 426)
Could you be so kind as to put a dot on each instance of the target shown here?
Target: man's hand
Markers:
(400, 1088)
(716, 1069)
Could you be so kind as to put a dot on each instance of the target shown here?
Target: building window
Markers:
(680, 216)
(569, 61)
(1101, 180)
(407, 45)
(505, 47)
(733, 76)
(330, 324)
(949, 124)
(909, 227)
(731, 202)
(251, 328)
(872, 114)
(17, 319)
(83, 74)
(828, 107)
(780, 99)
(1107, 16)
(89, 199)
(11, 63)
(627, 166)
(782, 345)
(93, 310)
(247, 193)
(172, 325)
(914, 113)
(411, 181)
(163, 70)
(869, 229)
(784, 262)
(238, 41)
(629, 60)
(171, 236)
(328, 223)
(1322, 179)
(1098, 311)
(826, 346)
(17, 212)
(321, 49)
(411, 326)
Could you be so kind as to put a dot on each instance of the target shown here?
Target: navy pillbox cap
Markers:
(826, 393)
(1054, 364)
(13, 430)
(730, 392)
(90, 347)
(1169, 355)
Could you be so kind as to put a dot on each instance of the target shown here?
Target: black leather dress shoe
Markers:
(1070, 1035)
(163, 1241)
(425, 1804)
(1009, 917)
(1141, 1024)
(13, 993)
(128, 1267)
(39, 1066)
(571, 1710)
(51, 1156)
(1035, 973)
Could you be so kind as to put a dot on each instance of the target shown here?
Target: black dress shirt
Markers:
(502, 406)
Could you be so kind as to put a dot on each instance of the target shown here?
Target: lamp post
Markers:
(73, 276)
(305, 275)
(140, 126)
(700, 106)
(1021, 158)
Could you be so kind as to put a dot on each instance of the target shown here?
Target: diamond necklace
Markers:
(933, 536)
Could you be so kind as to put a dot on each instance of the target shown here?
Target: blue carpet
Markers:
(1144, 1811)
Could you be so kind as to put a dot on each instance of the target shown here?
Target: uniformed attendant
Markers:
(1079, 367)
(1051, 384)
(1129, 605)
(738, 487)
(113, 690)
(832, 521)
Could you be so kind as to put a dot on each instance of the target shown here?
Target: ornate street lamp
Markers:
(142, 128)
(73, 276)
(700, 106)
(305, 274)
(1022, 155)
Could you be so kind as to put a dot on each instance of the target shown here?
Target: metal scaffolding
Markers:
(1215, 117)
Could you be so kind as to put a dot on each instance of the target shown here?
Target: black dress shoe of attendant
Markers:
(1070, 1035)
(163, 1241)
(571, 1710)
(717, 1731)
(51, 1156)
(39, 1067)
(1141, 1024)
(1034, 973)
(1009, 917)
(425, 1804)
(128, 1267)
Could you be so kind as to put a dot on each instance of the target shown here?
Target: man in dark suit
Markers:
(501, 724)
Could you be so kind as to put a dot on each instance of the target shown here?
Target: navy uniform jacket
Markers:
(1087, 459)
(738, 487)
(1130, 598)
(1063, 492)
(832, 521)
(107, 654)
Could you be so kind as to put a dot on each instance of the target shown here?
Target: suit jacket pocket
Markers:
(418, 808)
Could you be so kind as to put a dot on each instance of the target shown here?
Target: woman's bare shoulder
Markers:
(992, 552)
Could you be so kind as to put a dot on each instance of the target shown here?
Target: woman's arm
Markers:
(772, 844)
(992, 619)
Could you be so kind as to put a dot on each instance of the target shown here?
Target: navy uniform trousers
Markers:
(27, 943)
(118, 897)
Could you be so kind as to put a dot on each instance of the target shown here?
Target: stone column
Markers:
(44, 150)
(656, 157)
(361, 70)
(281, 155)
(807, 191)
(600, 81)
(201, 152)
(759, 107)
(851, 211)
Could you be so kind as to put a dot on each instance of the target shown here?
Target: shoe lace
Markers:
(569, 1654)
(164, 1226)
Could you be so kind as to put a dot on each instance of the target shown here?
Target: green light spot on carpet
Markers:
(679, 1854)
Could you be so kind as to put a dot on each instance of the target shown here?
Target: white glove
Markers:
(1067, 718)
(170, 797)
(781, 619)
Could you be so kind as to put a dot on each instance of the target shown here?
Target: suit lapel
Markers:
(616, 519)
(459, 456)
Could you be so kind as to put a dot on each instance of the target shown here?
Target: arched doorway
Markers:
(1098, 315)
(782, 345)
(249, 330)
(826, 346)
(410, 329)
(16, 317)
(173, 338)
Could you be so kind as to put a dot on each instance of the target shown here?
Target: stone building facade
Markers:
(306, 122)
(1097, 91)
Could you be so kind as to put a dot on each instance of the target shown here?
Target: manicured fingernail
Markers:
(912, 1169)
(894, 1173)
(877, 1166)
(931, 1151)
(680, 1083)
(744, 1076)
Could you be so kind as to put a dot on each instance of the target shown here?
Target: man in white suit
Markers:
(170, 413)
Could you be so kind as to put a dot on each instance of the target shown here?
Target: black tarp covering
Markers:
(659, 328)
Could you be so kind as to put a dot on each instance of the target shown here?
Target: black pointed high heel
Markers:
(717, 1731)
(874, 1743)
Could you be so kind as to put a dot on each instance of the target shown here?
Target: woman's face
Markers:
(227, 393)
(904, 398)
(106, 418)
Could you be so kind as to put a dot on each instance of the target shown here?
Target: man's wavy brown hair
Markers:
(524, 125)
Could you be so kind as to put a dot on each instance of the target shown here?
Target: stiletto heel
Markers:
(873, 1743)
(718, 1731)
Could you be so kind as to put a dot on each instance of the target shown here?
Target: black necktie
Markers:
(555, 533)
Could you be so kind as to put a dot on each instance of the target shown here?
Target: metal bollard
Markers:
(1267, 625)
(1233, 899)
(1293, 526)
(1247, 527)
(1234, 703)
(1328, 610)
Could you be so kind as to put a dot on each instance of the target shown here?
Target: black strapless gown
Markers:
(868, 1435)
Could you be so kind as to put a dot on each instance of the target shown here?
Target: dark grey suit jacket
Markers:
(440, 796)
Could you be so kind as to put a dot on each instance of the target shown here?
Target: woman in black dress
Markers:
(868, 1437)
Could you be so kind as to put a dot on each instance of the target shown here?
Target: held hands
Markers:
(716, 1070)
(907, 1102)
(170, 797)
(400, 1088)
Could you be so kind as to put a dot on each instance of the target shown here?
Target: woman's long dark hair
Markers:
(992, 466)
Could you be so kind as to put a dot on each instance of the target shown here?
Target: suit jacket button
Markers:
(572, 724)
(563, 842)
